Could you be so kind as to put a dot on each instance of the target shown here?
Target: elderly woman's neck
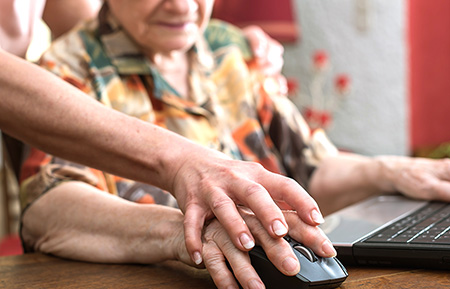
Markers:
(174, 67)
(167, 60)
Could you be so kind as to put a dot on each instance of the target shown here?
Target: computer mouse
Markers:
(315, 271)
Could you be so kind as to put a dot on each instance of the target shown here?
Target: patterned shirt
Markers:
(231, 107)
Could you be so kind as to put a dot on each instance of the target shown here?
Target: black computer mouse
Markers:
(315, 272)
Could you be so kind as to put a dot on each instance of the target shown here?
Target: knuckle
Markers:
(254, 189)
(289, 182)
(213, 257)
(255, 166)
(191, 223)
(260, 233)
(290, 185)
(220, 203)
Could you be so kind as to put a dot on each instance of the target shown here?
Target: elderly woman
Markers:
(163, 61)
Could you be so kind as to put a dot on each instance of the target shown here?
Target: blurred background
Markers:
(375, 74)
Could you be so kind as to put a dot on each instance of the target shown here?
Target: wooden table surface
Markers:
(42, 271)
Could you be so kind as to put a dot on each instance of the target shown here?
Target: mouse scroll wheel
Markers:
(306, 252)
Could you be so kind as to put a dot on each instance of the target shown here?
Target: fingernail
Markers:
(197, 258)
(255, 284)
(328, 249)
(246, 241)
(279, 229)
(291, 265)
(317, 217)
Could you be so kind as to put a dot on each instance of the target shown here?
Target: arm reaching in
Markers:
(50, 114)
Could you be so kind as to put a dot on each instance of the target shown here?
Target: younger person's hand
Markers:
(211, 185)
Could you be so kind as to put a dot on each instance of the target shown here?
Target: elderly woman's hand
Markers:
(218, 247)
(420, 178)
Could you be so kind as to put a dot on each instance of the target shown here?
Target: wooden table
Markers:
(42, 271)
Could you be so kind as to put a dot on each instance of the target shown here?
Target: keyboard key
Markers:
(431, 224)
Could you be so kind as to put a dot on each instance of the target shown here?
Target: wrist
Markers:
(189, 167)
(156, 234)
(388, 168)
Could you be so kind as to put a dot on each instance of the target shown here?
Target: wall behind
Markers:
(365, 39)
(430, 73)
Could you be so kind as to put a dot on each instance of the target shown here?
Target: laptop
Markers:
(392, 230)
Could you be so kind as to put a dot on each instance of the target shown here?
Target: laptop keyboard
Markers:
(429, 225)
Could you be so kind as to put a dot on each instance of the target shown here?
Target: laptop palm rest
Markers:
(353, 223)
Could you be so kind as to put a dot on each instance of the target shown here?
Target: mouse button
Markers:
(308, 253)
(333, 268)
(312, 272)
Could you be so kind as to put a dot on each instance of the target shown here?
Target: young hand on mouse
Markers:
(210, 185)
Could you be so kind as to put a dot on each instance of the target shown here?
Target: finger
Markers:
(281, 255)
(277, 250)
(275, 56)
(243, 270)
(271, 60)
(270, 68)
(445, 169)
(240, 263)
(441, 191)
(216, 265)
(256, 197)
(310, 236)
(282, 84)
(226, 212)
(275, 47)
(193, 224)
(287, 190)
(258, 40)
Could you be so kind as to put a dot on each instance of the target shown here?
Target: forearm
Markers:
(76, 221)
(347, 178)
(44, 111)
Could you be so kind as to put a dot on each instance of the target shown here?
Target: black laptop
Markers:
(392, 231)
